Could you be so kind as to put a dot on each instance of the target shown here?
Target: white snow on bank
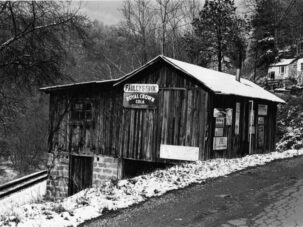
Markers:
(114, 195)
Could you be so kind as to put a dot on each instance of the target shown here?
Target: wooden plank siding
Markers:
(183, 116)
(178, 118)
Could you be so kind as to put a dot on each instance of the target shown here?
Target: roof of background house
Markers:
(218, 82)
(283, 62)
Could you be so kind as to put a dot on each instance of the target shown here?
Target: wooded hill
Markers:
(45, 43)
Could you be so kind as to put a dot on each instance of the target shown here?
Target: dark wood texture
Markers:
(183, 116)
(81, 170)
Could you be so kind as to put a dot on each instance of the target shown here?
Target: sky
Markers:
(108, 12)
(103, 10)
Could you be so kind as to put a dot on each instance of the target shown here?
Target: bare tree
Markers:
(139, 20)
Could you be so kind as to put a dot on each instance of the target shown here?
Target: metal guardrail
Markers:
(22, 183)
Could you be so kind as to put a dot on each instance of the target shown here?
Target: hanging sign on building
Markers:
(220, 143)
(141, 88)
(262, 109)
(140, 96)
(185, 153)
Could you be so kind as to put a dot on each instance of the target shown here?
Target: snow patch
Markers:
(113, 195)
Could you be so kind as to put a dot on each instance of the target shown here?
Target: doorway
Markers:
(80, 173)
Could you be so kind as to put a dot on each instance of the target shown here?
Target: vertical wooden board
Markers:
(210, 126)
(149, 135)
(183, 119)
(137, 129)
(195, 120)
(121, 133)
(202, 124)
(188, 119)
(177, 117)
(118, 126)
(159, 114)
(140, 135)
(165, 117)
(171, 117)
(131, 133)
(142, 154)
(126, 132)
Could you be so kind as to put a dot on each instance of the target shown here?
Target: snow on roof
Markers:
(218, 82)
(62, 86)
(283, 61)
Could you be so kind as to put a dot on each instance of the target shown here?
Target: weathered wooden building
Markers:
(164, 111)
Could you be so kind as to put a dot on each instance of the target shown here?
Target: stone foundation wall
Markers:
(57, 183)
(105, 168)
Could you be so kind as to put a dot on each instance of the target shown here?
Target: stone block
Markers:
(108, 159)
(97, 170)
(107, 171)
(97, 182)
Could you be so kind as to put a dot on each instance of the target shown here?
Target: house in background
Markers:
(285, 74)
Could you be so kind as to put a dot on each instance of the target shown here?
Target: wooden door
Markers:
(81, 173)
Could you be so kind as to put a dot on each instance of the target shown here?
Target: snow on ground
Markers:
(116, 194)
(7, 173)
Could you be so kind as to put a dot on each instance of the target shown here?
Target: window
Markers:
(272, 75)
(301, 66)
(81, 111)
(282, 69)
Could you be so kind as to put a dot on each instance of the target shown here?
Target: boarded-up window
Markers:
(81, 111)
(81, 125)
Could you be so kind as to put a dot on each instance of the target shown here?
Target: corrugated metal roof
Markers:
(218, 82)
(283, 61)
(63, 86)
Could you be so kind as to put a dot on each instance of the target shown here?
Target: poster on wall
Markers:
(219, 122)
(219, 112)
(237, 120)
(229, 116)
(220, 143)
(260, 135)
(260, 120)
(262, 109)
(140, 96)
(185, 153)
(219, 132)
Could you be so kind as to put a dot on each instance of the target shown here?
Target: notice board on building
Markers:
(175, 152)
(140, 96)
(220, 143)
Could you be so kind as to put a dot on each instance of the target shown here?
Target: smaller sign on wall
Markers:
(220, 143)
(237, 120)
(229, 116)
(260, 120)
(219, 122)
(179, 152)
(218, 131)
(262, 109)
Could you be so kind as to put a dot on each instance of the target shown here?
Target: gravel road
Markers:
(270, 195)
